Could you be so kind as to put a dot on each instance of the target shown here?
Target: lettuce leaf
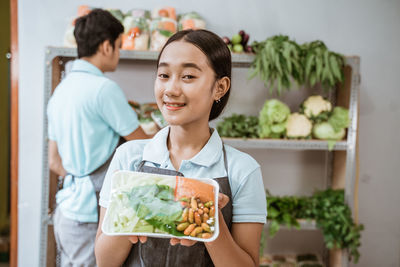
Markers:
(155, 204)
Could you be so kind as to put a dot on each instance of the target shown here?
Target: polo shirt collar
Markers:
(81, 65)
(156, 150)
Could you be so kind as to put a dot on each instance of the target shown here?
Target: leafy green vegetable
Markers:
(166, 33)
(117, 14)
(272, 119)
(321, 65)
(239, 126)
(325, 131)
(277, 60)
(284, 210)
(155, 204)
(158, 118)
(339, 119)
(327, 208)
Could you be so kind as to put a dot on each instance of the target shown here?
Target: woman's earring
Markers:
(217, 101)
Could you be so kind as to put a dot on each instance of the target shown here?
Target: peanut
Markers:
(206, 235)
(197, 218)
(189, 229)
(200, 211)
(199, 235)
(191, 214)
(193, 203)
(205, 217)
(209, 204)
(185, 215)
(206, 210)
(206, 227)
(182, 226)
(196, 231)
(212, 211)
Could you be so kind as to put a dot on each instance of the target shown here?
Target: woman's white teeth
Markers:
(176, 105)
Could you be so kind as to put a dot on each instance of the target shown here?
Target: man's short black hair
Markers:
(93, 29)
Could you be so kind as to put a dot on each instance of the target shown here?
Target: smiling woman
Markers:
(186, 87)
(192, 87)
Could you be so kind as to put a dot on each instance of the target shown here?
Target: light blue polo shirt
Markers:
(87, 114)
(248, 193)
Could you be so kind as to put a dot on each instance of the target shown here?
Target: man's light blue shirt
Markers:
(244, 173)
(87, 114)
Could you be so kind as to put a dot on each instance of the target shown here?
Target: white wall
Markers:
(361, 27)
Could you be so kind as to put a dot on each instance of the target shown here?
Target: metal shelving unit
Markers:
(342, 161)
(283, 144)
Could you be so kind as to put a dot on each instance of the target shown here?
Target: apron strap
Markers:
(225, 159)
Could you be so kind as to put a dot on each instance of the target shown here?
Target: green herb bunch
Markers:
(327, 208)
(333, 216)
(239, 126)
(321, 65)
(277, 61)
(285, 211)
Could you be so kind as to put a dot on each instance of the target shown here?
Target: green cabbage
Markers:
(272, 119)
(325, 131)
(339, 119)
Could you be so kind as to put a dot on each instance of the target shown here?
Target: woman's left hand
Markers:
(222, 201)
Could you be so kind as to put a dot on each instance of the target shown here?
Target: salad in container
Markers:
(191, 20)
(136, 34)
(162, 206)
(161, 29)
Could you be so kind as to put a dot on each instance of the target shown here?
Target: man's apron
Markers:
(98, 175)
(158, 252)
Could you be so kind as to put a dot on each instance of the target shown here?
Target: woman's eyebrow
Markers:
(191, 65)
(163, 64)
(184, 65)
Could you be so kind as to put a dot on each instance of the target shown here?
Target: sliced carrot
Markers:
(134, 31)
(83, 10)
(193, 188)
(163, 13)
(171, 12)
(188, 24)
(169, 26)
(128, 42)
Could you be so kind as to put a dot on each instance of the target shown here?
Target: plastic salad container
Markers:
(136, 34)
(162, 206)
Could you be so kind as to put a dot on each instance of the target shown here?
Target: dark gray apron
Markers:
(157, 252)
(98, 175)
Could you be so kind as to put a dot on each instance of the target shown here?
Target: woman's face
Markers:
(185, 85)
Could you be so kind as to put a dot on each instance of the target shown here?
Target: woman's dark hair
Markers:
(93, 29)
(218, 55)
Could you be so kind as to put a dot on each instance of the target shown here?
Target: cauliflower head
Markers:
(298, 126)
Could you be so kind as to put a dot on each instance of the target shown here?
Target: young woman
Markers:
(192, 87)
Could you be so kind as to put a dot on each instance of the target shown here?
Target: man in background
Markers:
(87, 114)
